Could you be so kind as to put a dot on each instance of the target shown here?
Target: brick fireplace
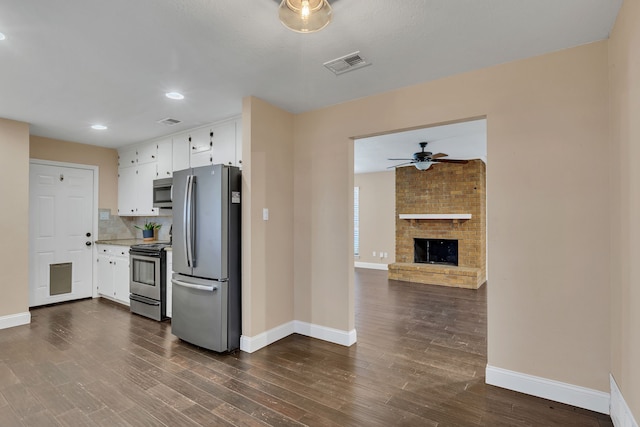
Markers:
(443, 204)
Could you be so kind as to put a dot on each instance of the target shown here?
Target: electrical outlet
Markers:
(385, 255)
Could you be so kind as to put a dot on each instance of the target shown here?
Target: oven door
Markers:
(145, 275)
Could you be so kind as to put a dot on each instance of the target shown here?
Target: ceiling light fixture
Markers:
(423, 166)
(2, 36)
(305, 16)
(98, 127)
(174, 95)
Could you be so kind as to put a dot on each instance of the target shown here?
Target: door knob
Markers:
(88, 243)
(88, 234)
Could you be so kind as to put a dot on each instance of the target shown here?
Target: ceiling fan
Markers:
(424, 159)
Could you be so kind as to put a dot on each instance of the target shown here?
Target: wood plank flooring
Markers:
(419, 361)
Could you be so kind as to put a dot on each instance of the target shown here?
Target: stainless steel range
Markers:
(148, 280)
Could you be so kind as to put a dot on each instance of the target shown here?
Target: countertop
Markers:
(127, 242)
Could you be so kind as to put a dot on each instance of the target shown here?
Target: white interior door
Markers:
(60, 226)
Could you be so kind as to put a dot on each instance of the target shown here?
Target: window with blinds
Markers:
(356, 220)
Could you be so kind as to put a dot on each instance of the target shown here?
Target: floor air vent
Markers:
(349, 62)
(169, 121)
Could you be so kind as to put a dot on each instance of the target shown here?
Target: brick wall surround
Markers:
(444, 188)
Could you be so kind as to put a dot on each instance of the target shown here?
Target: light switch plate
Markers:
(265, 214)
(104, 215)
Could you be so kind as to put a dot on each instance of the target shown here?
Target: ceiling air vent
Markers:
(169, 121)
(349, 62)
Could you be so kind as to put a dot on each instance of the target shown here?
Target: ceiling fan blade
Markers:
(400, 159)
(438, 155)
(464, 162)
(401, 164)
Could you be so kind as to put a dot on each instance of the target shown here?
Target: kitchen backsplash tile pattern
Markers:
(120, 227)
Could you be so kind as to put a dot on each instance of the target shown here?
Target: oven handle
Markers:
(187, 221)
(192, 286)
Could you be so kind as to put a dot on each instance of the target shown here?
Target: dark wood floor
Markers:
(419, 361)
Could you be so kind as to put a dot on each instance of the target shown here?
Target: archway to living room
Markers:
(420, 250)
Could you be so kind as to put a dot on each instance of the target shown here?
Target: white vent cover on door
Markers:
(349, 62)
(169, 121)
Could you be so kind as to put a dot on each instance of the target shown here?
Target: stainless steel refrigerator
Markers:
(206, 257)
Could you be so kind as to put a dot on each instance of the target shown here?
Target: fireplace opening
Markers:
(435, 251)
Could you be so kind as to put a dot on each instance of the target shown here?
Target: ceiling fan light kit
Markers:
(305, 16)
(423, 160)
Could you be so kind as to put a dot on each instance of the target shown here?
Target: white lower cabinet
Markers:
(113, 272)
(169, 284)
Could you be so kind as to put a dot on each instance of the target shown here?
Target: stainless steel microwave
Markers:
(162, 192)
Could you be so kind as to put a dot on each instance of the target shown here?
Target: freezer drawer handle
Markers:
(192, 286)
(143, 300)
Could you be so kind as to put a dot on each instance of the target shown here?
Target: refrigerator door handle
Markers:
(187, 221)
(192, 286)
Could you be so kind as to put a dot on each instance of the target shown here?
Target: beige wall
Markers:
(71, 152)
(267, 246)
(624, 67)
(547, 214)
(377, 216)
(14, 216)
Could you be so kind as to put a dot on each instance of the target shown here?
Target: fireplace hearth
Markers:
(435, 251)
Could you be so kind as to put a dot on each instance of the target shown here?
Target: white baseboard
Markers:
(336, 336)
(251, 344)
(17, 319)
(620, 413)
(570, 394)
(371, 265)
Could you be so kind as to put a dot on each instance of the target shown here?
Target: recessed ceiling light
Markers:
(2, 36)
(99, 127)
(174, 95)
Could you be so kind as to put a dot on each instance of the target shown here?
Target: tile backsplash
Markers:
(123, 227)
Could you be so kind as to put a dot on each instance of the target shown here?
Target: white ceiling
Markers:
(67, 64)
(463, 141)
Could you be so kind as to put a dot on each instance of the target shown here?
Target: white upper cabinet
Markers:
(164, 166)
(181, 152)
(140, 164)
(214, 145)
(127, 157)
(138, 169)
(224, 144)
(201, 142)
(147, 153)
(238, 143)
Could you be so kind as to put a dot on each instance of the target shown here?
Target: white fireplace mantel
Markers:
(435, 216)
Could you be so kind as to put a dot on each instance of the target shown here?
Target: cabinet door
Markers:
(145, 174)
(127, 179)
(181, 152)
(121, 279)
(147, 153)
(164, 167)
(238, 143)
(105, 275)
(127, 158)
(201, 144)
(224, 144)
